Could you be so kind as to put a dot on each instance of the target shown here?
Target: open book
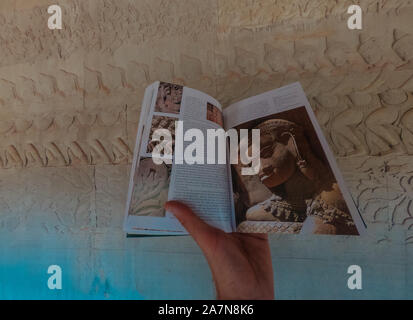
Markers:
(296, 189)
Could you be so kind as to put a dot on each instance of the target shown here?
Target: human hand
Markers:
(240, 263)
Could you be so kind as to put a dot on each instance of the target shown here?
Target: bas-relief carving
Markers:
(111, 191)
(27, 209)
(73, 98)
(235, 13)
(382, 190)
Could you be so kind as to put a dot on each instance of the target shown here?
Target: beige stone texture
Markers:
(70, 99)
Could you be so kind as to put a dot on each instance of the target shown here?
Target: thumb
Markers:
(197, 228)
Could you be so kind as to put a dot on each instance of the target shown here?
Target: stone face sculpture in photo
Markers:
(151, 184)
(303, 188)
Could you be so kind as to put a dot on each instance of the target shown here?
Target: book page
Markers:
(203, 187)
(298, 187)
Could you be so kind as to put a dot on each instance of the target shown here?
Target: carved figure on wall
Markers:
(370, 50)
(344, 132)
(383, 135)
(403, 46)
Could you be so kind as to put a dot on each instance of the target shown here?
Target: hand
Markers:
(240, 263)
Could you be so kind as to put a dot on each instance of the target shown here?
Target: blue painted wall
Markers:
(174, 268)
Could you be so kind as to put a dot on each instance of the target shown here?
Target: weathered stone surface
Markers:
(55, 201)
(70, 103)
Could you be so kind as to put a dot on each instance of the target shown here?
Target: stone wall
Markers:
(70, 103)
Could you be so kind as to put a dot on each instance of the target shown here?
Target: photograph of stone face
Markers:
(162, 122)
(150, 189)
(169, 98)
(295, 190)
(214, 114)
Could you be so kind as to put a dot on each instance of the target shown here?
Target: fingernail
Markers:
(171, 207)
(167, 205)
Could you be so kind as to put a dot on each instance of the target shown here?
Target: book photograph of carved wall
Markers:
(169, 98)
(150, 191)
(161, 122)
(70, 102)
